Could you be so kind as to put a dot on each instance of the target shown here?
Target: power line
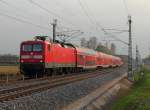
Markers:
(21, 15)
(13, 6)
(77, 34)
(96, 22)
(91, 19)
(15, 14)
(63, 28)
(119, 30)
(23, 21)
(31, 1)
(50, 12)
(99, 26)
(69, 35)
(126, 7)
(85, 12)
(116, 38)
(4, 2)
(9, 4)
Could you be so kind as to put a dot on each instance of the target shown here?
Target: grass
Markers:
(9, 69)
(138, 98)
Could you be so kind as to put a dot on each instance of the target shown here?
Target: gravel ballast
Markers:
(57, 98)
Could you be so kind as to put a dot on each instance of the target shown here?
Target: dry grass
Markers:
(9, 69)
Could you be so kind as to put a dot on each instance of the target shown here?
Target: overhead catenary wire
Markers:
(122, 31)
(23, 18)
(100, 26)
(23, 21)
(117, 31)
(18, 9)
(85, 12)
(45, 9)
(11, 5)
(69, 35)
(91, 19)
(4, 2)
(51, 12)
(113, 29)
(126, 7)
(116, 38)
(78, 34)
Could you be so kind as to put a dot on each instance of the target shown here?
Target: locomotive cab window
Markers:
(27, 48)
(37, 47)
(32, 47)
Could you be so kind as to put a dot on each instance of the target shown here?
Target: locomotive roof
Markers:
(81, 50)
(31, 41)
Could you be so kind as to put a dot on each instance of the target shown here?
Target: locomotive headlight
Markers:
(37, 57)
(25, 56)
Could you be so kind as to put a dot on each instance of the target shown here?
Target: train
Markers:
(40, 56)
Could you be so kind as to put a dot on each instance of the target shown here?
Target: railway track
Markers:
(41, 84)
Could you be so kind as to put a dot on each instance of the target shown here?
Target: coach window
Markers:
(81, 57)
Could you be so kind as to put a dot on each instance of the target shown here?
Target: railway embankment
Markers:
(138, 97)
(61, 97)
(102, 97)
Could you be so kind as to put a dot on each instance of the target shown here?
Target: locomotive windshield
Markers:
(27, 48)
(32, 47)
(37, 47)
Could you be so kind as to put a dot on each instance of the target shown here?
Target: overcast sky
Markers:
(84, 15)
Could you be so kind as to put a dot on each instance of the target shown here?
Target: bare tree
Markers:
(83, 42)
(92, 43)
(102, 48)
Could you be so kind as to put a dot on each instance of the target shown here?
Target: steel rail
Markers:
(13, 93)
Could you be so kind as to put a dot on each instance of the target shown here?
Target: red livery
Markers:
(40, 56)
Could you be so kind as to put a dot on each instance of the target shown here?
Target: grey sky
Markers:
(108, 13)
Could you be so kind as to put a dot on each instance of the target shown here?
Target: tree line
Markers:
(93, 43)
(9, 59)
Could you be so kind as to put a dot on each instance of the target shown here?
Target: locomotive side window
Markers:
(49, 47)
(37, 47)
(27, 48)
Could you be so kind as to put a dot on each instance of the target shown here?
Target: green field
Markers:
(138, 98)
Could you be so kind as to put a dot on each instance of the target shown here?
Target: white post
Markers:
(7, 78)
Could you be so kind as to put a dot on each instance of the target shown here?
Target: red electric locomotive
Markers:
(40, 56)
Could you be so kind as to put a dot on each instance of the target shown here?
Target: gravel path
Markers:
(57, 98)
